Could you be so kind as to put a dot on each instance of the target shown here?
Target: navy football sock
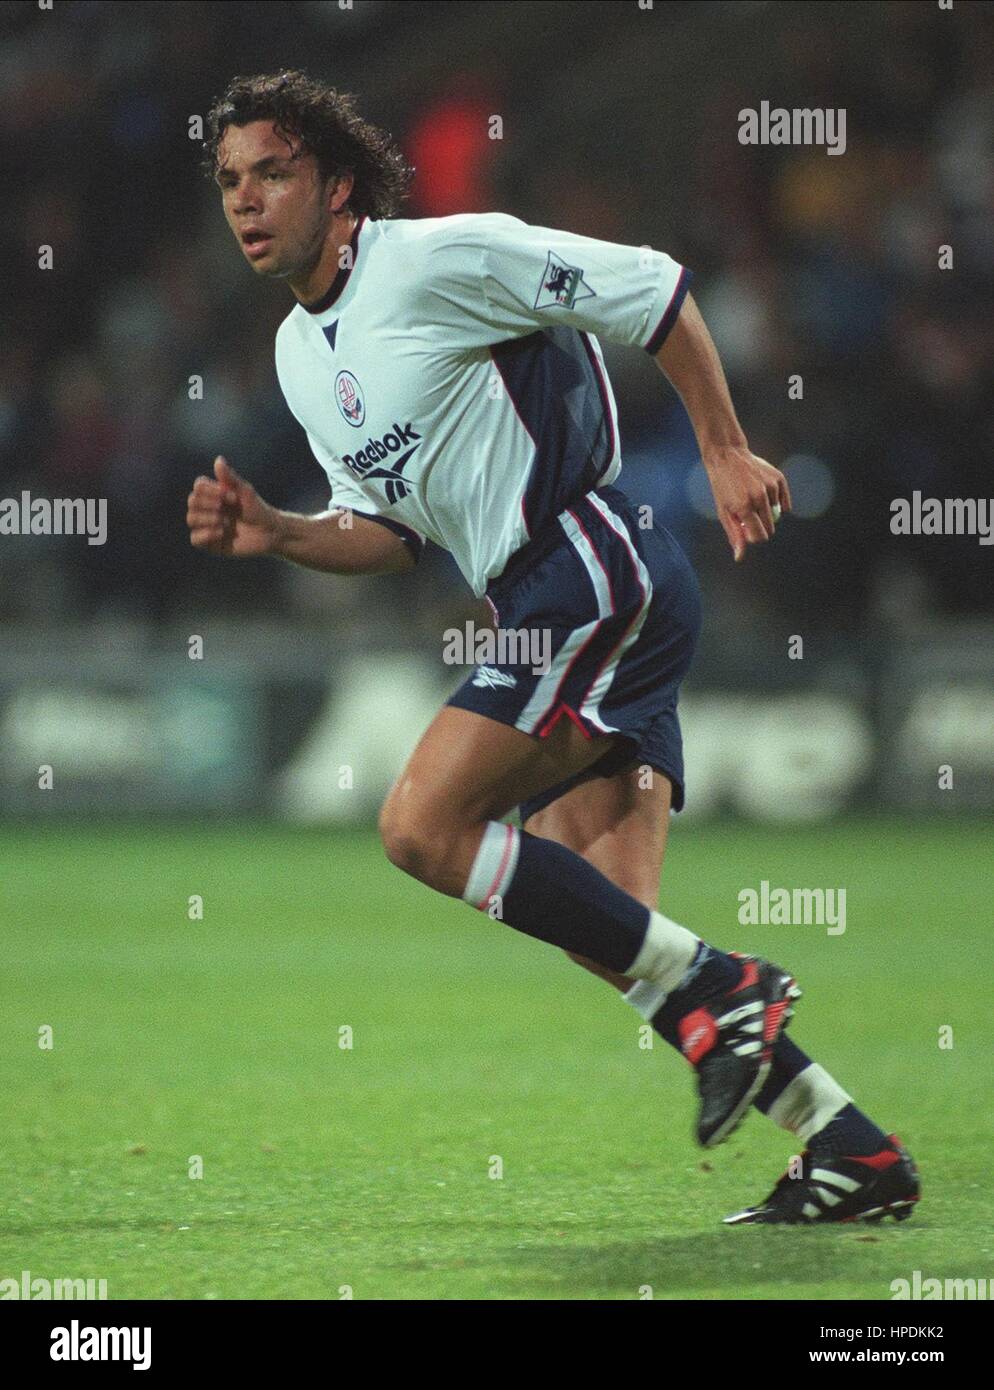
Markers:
(711, 970)
(851, 1132)
(788, 1061)
(798, 1095)
(548, 891)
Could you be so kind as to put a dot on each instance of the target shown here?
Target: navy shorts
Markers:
(619, 611)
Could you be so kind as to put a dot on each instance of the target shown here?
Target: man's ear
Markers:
(341, 192)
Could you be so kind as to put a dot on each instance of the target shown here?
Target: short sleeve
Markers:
(519, 278)
(348, 495)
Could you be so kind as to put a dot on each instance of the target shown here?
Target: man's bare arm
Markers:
(339, 542)
(226, 516)
(745, 487)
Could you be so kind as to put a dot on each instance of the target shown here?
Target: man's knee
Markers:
(417, 841)
(404, 839)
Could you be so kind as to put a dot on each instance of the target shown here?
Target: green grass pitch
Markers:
(370, 1168)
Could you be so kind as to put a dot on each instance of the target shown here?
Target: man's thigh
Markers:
(468, 768)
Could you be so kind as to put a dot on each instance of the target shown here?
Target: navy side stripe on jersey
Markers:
(552, 380)
(602, 391)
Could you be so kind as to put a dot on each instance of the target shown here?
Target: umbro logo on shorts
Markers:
(490, 676)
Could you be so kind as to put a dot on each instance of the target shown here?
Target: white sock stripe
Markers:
(665, 954)
(808, 1102)
(494, 865)
(646, 999)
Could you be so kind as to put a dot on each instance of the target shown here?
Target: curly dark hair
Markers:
(327, 125)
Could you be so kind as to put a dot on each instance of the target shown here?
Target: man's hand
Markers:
(226, 515)
(745, 488)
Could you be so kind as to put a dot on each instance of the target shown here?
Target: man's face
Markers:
(277, 207)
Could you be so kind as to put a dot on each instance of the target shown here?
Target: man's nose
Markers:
(247, 199)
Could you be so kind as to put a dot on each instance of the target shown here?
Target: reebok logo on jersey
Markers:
(489, 676)
(561, 285)
(364, 462)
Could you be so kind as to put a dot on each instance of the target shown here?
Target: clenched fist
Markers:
(226, 515)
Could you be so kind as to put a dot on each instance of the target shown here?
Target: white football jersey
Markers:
(450, 382)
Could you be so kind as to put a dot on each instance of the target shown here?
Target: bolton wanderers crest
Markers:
(348, 394)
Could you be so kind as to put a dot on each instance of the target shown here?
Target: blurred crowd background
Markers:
(618, 122)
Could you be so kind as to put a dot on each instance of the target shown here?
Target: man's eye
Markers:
(273, 174)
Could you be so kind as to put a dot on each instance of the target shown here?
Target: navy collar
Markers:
(341, 279)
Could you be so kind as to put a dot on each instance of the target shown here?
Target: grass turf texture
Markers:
(368, 1167)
